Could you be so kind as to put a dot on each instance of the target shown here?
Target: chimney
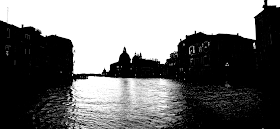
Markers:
(21, 25)
(265, 4)
(180, 40)
(194, 32)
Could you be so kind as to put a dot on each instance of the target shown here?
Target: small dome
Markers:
(136, 58)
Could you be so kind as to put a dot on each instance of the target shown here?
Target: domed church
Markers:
(122, 68)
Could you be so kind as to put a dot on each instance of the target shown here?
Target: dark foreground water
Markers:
(101, 102)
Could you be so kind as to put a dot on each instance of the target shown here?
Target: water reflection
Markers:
(101, 102)
(124, 99)
(53, 109)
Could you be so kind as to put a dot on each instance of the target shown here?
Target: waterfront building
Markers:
(171, 67)
(9, 38)
(267, 35)
(122, 68)
(138, 68)
(145, 68)
(215, 58)
(28, 54)
(114, 70)
(191, 52)
(267, 42)
(104, 73)
(60, 55)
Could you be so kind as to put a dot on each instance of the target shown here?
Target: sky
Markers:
(100, 29)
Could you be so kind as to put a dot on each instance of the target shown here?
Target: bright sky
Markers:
(99, 29)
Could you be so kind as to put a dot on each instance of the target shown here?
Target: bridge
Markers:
(85, 75)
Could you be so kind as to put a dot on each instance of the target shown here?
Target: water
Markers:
(101, 102)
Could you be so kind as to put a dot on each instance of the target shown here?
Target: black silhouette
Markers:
(267, 43)
(122, 67)
(139, 67)
(30, 61)
(215, 58)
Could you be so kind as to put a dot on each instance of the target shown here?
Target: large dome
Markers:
(124, 57)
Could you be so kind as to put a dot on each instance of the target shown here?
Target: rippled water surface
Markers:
(101, 102)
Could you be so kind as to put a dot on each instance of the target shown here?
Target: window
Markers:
(183, 44)
(227, 64)
(206, 60)
(197, 47)
(7, 48)
(197, 61)
(169, 64)
(8, 33)
(200, 49)
(191, 62)
(206, 45)
(27, 36)
(181, 69)
(191, 50)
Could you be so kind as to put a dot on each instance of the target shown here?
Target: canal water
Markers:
(119, 103)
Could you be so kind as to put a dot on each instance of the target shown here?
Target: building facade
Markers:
(171, 66)
(138, 68)
(122, 68)
(267, 42)
(144, 68)
(267, 35)
(28, 54)
(10, 39)
(60, 57)
(215, 58)
(104, 73)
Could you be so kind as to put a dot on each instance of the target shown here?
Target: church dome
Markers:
(136, 58)
(124, 57)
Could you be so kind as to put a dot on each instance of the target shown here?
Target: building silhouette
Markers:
(11, 39)
(267, 44)
(104, 73)
(30, 56)
(215, 58)
(145, 68)
(171, 68)
(60, 57)
(122, 67)
(267, 36)
(138, 68)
